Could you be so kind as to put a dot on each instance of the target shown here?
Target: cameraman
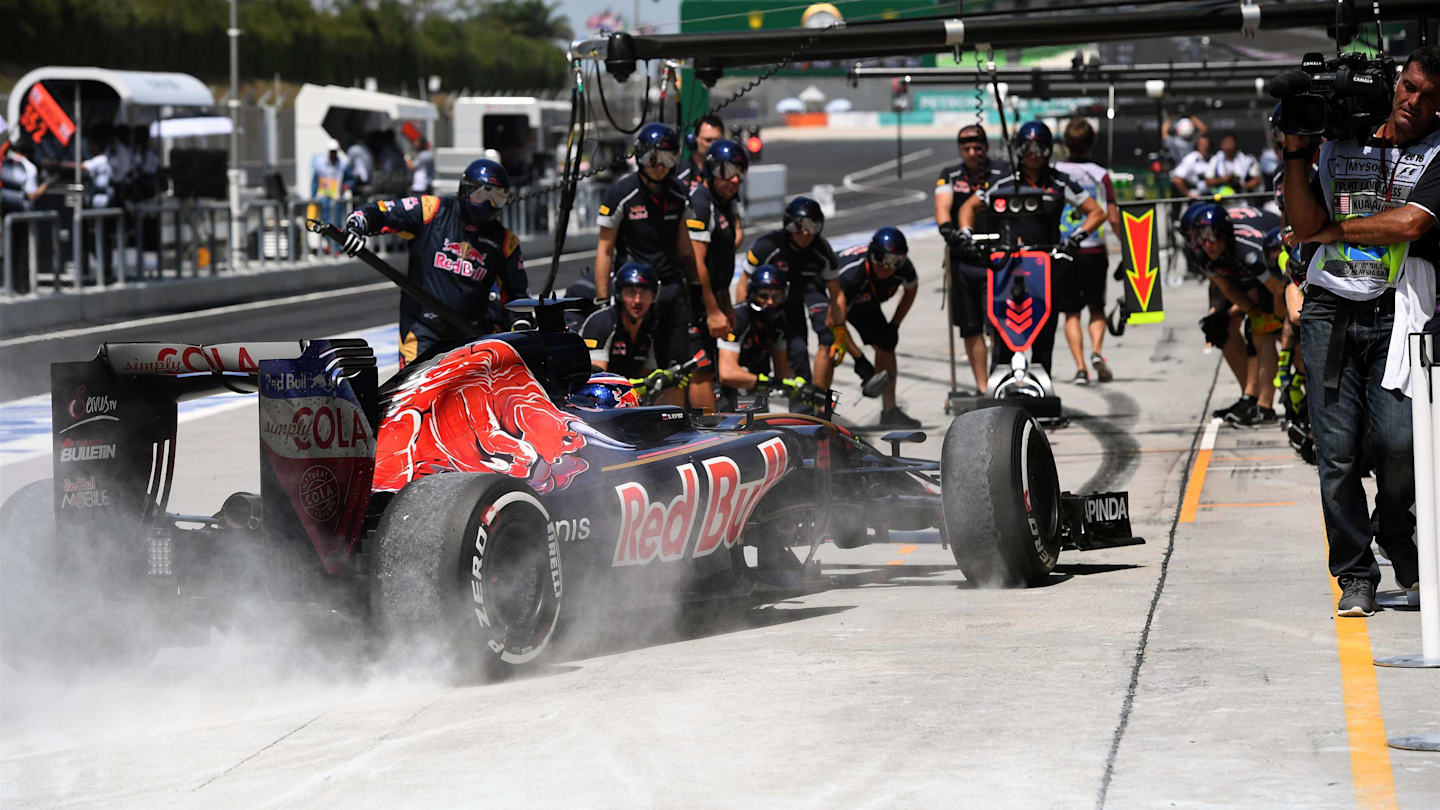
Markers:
(1372, 209)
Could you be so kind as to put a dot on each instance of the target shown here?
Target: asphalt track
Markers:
(1203, 669)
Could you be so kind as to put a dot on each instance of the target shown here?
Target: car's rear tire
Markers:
(466, 564)
(1001, 497)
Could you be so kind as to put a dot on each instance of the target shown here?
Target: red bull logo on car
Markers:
(478, 409)
(652, 531)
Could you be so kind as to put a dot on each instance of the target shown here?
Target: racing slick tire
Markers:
(1001, 498)
(467, 562)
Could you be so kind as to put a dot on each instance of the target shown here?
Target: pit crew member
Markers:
(642, 219)
(752, 359)
(708, 130)
(1372, 211)
(869, 276)
(458, 252)
(802, 253)
(621, 337)
(716, 228)
(1034, 144)
(1235, 264)
(955, 185)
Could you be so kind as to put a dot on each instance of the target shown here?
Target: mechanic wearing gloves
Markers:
(746, 355)
(1033, 145)
(716, 228)
(458, 250)
(1371, 282)
(955, 185)
(643, 219)
(805, 257)
(869, 276)
(621, 337)
(1235, 264)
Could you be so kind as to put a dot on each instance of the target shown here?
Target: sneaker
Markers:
(894, 417)
(1357, 597)
(1082, 377)
(1241, 411)
(1102, 368)
(1253, 417)
(1221, 413)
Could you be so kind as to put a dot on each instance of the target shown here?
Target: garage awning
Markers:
(134, 87)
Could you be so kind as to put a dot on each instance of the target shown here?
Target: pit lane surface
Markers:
(1200, 670)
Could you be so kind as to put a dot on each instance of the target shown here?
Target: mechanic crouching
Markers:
(1370, 283)
(458, 250)
(869, 276)
(753, 359)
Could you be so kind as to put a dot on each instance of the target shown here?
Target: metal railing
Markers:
(173, 239)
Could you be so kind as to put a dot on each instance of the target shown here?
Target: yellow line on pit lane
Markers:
(1370, 771)
(1191, 504)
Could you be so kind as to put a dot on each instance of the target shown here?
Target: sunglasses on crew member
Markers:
(730, 171)
(658, 157)
(487, 193)
(807, 225)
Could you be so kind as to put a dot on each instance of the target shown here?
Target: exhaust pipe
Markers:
(242, 511)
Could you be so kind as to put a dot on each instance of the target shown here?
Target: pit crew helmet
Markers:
(804, 214)
(1187, 223)
(726, 159)
(1034, 137)
(889, 248)
(767, 287)
(605, 390)
(1211, 222)
(1273, 237)
(636, 274)
(657, 144)
(484, 190)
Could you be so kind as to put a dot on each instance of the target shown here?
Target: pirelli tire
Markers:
(466, 563)
(1001, 498)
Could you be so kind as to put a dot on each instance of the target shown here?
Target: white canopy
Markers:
(838, 105)
(812, 94)
(314, 103)
(789, 105)
(135, 88)
(191, 127)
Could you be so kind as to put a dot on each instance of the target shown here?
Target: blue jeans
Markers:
(1340, 418)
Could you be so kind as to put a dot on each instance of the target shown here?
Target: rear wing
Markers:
(114, 426)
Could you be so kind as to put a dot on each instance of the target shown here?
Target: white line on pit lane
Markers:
(25, 423)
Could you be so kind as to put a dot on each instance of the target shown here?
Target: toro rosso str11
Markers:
(472, 496)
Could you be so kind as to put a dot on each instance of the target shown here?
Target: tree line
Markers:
(501, 45)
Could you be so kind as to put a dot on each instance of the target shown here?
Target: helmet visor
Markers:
(730, 171)
(495, 195)
(1208, 233)
(1036, 148)
(769, 297)
(807, 225)
(892, 261)
(658, 157)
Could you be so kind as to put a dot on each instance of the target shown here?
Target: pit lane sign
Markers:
(1140, 251)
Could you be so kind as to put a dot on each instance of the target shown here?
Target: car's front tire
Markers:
(1001, 497)
(467, 562)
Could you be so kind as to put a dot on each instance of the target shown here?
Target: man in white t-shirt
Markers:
(1231, 168)
(1082, 285)
(1188, 176)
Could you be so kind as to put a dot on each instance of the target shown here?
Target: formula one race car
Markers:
(468, 497)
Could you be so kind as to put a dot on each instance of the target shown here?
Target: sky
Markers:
(650, 11)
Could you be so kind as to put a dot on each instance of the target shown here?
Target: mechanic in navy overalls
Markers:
(870, 275)
(458, 251)
(756, 349)
(1052, 190)
(643, 219)
(621, 337)
(805, 257)
(716, 228)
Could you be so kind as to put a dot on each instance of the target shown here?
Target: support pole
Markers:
(233, 173)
